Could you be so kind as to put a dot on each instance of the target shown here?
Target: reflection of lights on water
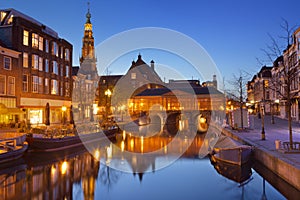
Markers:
(124, 135)
(131, 143)
(64, 167)
(142, 144)
(97, 154)
(53, 170)
(165, 149)
(122, 146)
(109, 153)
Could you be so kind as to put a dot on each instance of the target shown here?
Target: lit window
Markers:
(35, 61)
(7, 63)
(10, 19)
(67, 89)
(41, 44)
(46, 89)
(35, 40)
(133, 75)
(35, 84)
(40, 85)
(40, 64)
(54, 49)
(67, 55)
(11, 86)
(46, 65)
(2, 84)
(25, 60)
(55, 67)
(61, 52)
(2, 16)
(54, 86)
(25, 37)
(25, 83)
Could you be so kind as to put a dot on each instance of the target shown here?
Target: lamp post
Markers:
(107, 93)
(263, 134)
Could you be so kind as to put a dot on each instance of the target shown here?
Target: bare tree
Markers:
(239, 81)
(286, 73)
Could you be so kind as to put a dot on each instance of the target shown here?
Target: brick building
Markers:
(43, 74)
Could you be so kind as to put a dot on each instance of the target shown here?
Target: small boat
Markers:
(10, 150)
(230, 151)
(238, 173)
(43, 143)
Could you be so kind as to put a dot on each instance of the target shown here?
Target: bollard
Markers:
(277, 144)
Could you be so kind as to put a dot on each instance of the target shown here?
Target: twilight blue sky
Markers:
(232, 32)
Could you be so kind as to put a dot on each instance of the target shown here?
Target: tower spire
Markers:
(87, 51)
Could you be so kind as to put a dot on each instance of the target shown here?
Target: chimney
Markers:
(152, 65)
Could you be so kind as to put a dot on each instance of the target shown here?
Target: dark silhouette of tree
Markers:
(284, 60)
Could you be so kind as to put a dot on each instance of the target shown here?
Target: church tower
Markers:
(88, 59)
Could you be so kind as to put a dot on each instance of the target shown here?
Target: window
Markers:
(61, 52)
(54, 49)
(61, 88)
(54, 86)
(9, 21)
(25, 60)
(46, 65)
(67, 89)
(40, 64)
(2, 16)
(41, 44)
(25, 37)
(25, 83)
(47, 46)
(133, 75)
(67, 71)
(54, 67)
(61, 70)
(2, 84)
(67, 54)
(7, 63)
(11, 86)
(35, 61)
(40, 85)
(35, 84)
(46, 88)
(35, 40)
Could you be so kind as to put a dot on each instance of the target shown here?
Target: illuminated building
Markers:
(44, 68)
(85, 78)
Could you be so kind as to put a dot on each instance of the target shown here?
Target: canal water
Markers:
(78, 174)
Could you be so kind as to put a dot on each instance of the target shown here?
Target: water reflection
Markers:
(78, 174)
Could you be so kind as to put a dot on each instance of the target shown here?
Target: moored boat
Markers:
(43, 143)
(10, 150)
(230, 151)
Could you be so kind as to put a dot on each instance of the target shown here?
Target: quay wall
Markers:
(274, 161)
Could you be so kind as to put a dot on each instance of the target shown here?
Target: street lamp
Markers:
(107, 93)
(263, 134)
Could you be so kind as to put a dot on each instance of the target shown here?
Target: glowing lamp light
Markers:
(64, 167)
(63, 108)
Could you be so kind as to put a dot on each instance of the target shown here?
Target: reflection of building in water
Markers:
(85, 78)
(51, 181)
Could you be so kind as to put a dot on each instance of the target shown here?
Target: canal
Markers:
(78, 174)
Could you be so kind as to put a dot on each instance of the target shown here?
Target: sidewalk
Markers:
(286, 165)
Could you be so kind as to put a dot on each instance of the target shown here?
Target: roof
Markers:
(15, 13)
(197, 91)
